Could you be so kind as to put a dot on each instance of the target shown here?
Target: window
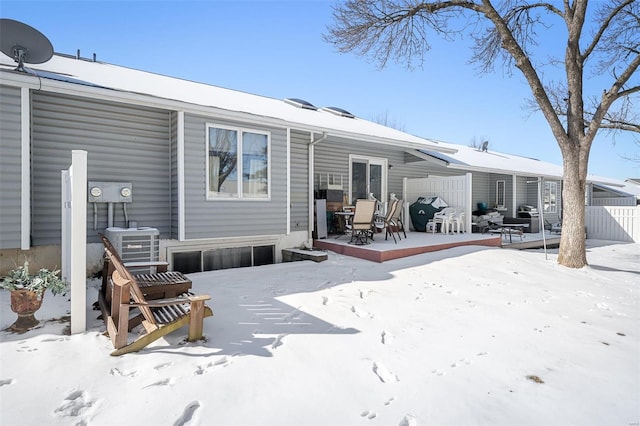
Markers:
(500, 193)
(232, 150)
(550, 197)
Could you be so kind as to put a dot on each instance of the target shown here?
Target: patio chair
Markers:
(445, 218)
(458, 222)
(387, 223)
(159, 317)
(362, 222)
(397, 219)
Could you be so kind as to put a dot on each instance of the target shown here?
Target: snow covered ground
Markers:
(464, 336)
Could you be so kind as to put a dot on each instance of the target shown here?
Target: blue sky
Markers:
(275, 49)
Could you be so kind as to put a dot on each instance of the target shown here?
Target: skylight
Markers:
(339, 111)
(301, 103)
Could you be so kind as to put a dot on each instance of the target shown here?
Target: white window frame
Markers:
(501, 193)
(240, 194)
(550, 197)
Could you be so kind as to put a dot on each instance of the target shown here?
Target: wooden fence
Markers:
(613, 223)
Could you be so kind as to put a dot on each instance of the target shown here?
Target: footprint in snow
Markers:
(188, 415)
(384, 374)
(278, 342)
(461, 361)
(409, 420)
(387, 338)
(368, 414)
(165, 382)
(163, 366)
(76, 404)
(222, 362)
(360, 313)
(325, 300)
(117, 372)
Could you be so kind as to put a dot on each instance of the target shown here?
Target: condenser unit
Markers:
(136, 245)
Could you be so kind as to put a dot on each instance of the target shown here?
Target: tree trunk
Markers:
(572, 251)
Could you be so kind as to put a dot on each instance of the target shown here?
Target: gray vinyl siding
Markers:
(299, 181)
(10, 167)
(217, 218)
(332, 156)
(480, 189)
(525, 191)
(125, 143)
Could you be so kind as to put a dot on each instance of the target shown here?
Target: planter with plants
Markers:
(27, 292)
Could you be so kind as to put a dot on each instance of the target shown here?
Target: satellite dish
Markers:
(24, 44)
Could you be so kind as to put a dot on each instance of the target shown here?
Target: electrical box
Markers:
(110, 192)
(136, 245)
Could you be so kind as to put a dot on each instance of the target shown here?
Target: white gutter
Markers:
(180, 171)
(312, 144)
(288, 181)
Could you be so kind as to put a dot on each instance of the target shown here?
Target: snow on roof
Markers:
(474, 159)
(104, 75)
(470, 158)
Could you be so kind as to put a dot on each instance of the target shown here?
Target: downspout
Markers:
(514, 196)
(312, 144)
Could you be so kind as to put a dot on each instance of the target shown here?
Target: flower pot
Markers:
(25, 303)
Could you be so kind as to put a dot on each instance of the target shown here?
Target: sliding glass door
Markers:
(367, 175)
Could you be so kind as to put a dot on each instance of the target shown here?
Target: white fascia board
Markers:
(502, 171)
(44, 84)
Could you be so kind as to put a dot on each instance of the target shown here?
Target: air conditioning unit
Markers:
(136, 245)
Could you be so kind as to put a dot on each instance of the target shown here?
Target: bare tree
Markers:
(601, 39)
(385, 120)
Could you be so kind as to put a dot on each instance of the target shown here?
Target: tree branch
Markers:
(603, 28)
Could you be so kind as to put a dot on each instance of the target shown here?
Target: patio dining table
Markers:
(343, 220)
(511, 228)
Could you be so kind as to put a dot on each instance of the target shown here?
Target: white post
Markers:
(468, 207)
(78, 241)
(66, 224)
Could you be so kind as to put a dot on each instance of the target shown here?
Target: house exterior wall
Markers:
(299, 181)
(125, 143)
(10, 167)
(480, 189)
(526, 193)
(220, 218)
(332, 156)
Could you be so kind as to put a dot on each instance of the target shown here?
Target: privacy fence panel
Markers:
(614, 201)
(613, 223)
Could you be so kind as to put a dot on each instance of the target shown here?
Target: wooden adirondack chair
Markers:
(159, 316)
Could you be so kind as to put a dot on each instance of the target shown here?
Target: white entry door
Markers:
(367, 175)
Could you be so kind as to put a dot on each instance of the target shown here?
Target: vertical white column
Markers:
(25, 178)
(180, 171)
(78, 241)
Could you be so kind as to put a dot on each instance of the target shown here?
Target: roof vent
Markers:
(339, 111)
(301, 103)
